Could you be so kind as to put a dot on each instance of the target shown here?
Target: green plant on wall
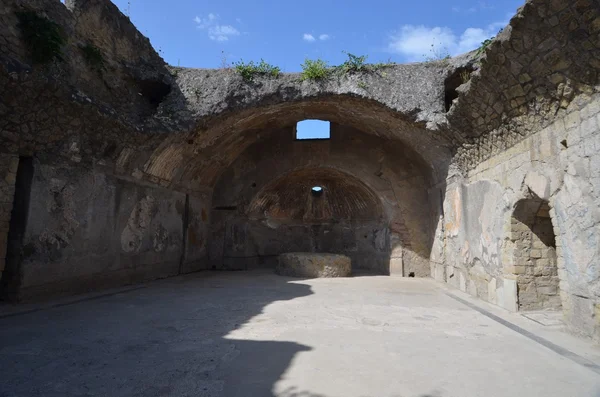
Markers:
(315, 70)
(484, 45)
(250, 70)
(354, 64)
(43, 37)
(358, 64)
(93, 56)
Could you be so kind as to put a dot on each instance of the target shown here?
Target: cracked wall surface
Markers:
(138, 170)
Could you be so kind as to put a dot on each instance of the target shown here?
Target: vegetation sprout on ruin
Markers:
(484, 46)
(250, 70)
(317, 69)
(43, 37)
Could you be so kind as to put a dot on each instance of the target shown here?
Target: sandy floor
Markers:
(257, 334)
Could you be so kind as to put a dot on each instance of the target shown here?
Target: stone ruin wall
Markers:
(479, 210)
(546, 149)
(107, 207)
(117, 202)
(88, 226)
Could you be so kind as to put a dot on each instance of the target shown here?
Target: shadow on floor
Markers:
(168, 339)
(164, 340)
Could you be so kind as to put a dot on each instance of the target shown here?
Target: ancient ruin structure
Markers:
(481, 171)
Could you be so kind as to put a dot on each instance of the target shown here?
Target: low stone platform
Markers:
(314, 265)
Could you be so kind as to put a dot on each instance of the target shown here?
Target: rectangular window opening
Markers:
(313, 130)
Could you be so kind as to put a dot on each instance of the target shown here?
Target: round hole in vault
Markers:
(317, 191)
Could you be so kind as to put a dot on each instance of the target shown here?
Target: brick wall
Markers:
(534, 256)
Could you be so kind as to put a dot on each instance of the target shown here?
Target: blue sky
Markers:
(206, 34)
(313, 129)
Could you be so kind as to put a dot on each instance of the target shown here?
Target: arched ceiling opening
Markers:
(316, 195)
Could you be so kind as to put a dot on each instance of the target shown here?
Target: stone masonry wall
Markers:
(559, 165)
(88, 230)
(547, 55)
(534, 256)
(74, 120)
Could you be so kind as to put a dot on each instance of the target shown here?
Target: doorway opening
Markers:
(11, 277)
(535, 263)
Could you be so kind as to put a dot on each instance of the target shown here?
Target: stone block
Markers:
(10, 178)
(472, 289)
(536, 253)
(439, 272)
(516, 269)
(452, 279)
(527, 298)
(539, 184)
(550, 290)
(588, 127)
(546, 149)
(13, 165)
(313, 265)
(509, 295)
(539, 245)
(491, 289)
(396, 267)
(572, 120)
(580, 315)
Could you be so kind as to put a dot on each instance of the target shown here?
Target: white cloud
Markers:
(308, 37)
(222, 32)
(417, 43)
(215, 30)
(204, 23)
(324, 37)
